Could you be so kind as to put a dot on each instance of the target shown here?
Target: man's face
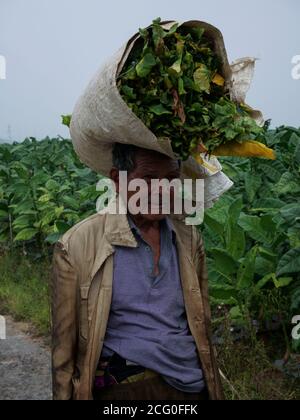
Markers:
(150, 165)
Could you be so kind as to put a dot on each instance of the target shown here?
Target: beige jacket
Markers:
(81, 298)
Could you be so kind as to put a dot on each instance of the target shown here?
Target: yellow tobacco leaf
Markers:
(218, 80)
(198, 158)
(248, 148)
(207, 165)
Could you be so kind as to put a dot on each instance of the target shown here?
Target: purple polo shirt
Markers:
(147, 323)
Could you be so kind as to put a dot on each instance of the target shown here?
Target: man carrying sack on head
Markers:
(130, 306)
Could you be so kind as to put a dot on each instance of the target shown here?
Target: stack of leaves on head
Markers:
(172, 81)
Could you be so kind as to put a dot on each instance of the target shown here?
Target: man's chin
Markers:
(154, 217)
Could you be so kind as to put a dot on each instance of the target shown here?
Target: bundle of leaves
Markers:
(172, 81)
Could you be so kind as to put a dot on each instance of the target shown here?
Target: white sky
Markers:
(53, 47)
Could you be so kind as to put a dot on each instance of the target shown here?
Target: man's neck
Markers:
(143, 224)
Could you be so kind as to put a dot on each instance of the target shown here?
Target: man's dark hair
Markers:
(123, 156)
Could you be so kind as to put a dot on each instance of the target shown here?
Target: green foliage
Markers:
(172, 81)
(24, 291)
(66, 120)
(44, 190)
(253, 233)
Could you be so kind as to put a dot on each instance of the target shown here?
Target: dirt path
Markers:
(24, 365)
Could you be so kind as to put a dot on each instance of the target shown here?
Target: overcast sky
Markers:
(53, 47)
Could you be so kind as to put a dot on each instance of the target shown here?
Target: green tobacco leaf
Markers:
(128, 92)
(294, 140)
(268, 225)
(290, 212)
(158, 32)
(235, 241)
(289, 263)
(223, 292)
(245, 274)
(297, 153)
(265, 280)
(264, 266)
(3, 205)
(53, 238)
(69, 201)
(214, 224)
(146, 64)
(21, 170)
(294, 236)
(253, 226)
(273, 174)
(66, 120)
(266, 253)
(23, 221)
(278, 282)
(3, 213)
(181, 89)
(224, 262)
(62, 227)
(202, 78)
(4, 236)
(267, 204)
(45, 198)
(28, 205)
(26, 234)
(295, 300)
(252, 184)
(234, 235)
(143, 33)
(283, 282)
(287, 184)
(197, 33)
(235, 209)
(235, 313)
(58, 211)
(159, 110)
(52, 185)
(176, 67)
(172, 30)
(4, 171)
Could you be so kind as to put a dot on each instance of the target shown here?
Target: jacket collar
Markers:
(118, 230)
(166, 224)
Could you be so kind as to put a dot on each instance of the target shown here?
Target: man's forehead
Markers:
(152, 154)
(151, 159)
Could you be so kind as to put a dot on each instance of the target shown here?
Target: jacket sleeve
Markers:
(201, 268)
(202, 273)
(64, 323)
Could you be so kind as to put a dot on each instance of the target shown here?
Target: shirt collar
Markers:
(165, 223)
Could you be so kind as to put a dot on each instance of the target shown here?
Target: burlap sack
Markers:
(101, 117)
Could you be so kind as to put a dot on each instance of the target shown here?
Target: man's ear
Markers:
(114, 176)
